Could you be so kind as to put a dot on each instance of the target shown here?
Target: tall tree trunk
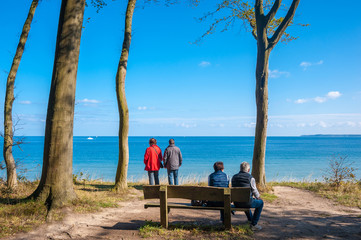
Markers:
(9, 99)
(259, 151)
(122, 170)
(56, 184)
(264, 48)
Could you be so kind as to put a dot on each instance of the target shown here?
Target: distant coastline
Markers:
(332, 135)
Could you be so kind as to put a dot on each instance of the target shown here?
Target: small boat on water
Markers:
(90, 138)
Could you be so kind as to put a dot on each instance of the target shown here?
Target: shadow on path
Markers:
(133, 225)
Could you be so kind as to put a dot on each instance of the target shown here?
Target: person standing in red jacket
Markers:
(153, 161)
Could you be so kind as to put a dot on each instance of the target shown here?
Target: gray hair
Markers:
(245, 166)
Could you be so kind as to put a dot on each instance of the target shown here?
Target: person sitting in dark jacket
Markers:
(245, 179)
(218, 179)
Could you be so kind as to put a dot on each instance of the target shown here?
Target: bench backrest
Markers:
(240, 194)
(151, 192)
(185, 192)
(197, 193)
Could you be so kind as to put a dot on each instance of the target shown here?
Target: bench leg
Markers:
(163, 206)
(227, 209)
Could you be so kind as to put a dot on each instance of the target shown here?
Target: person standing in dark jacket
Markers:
(218, 179)
(245, 179)
(172, 158)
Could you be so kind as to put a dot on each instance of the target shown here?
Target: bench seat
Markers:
(189, 206)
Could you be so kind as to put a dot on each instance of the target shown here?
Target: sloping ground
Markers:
(296, 214)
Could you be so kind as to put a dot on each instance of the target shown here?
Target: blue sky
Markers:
(175, 88)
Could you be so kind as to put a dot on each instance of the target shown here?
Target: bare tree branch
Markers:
(282, 27)
(271, 14)
(19, 140)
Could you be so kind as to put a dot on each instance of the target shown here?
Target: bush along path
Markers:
(295, 213)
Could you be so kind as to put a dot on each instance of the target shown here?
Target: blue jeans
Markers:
(172, 174)
(153, 176)
(258, 205)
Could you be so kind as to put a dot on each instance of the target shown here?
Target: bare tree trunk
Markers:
(122, 170)
(9, 99)
(264, 48)
(56, 184)
(259, 151)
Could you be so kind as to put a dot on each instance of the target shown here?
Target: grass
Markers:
(348, 194)
(94, 196)
(19, 215)
(268, 197)
(193, 231)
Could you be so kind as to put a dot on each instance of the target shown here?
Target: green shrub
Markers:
(340, 170)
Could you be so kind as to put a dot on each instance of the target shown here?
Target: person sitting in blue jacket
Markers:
(218, 179)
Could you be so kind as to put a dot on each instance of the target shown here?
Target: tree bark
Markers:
(121, 175)
(264, 48)
(56, 184)
(259, 151)
(9, 99)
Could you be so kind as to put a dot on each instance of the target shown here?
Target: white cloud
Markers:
(323, 124)
(277, 125)
(250, 125)
(312, 124)
(333, 95)
(142, 108)
(301, 100)
(320, 99)
(85, 100)
(187, 125)
(317, 123)
(276, 73)
(351, 124)
(216, 125)
(25, 102)
(305, 64)
(329, 95)
(204, 64)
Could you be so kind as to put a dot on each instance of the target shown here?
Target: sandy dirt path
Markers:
(296, 214)
(299, 214)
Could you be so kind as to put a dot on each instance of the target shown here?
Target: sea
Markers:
(303, 158)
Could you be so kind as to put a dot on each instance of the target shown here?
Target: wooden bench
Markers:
(225, 195)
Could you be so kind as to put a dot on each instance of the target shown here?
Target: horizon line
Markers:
(302, 135)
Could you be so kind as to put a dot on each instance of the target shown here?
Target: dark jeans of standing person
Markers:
(253, 218)
(173, 174)
(153, 177)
